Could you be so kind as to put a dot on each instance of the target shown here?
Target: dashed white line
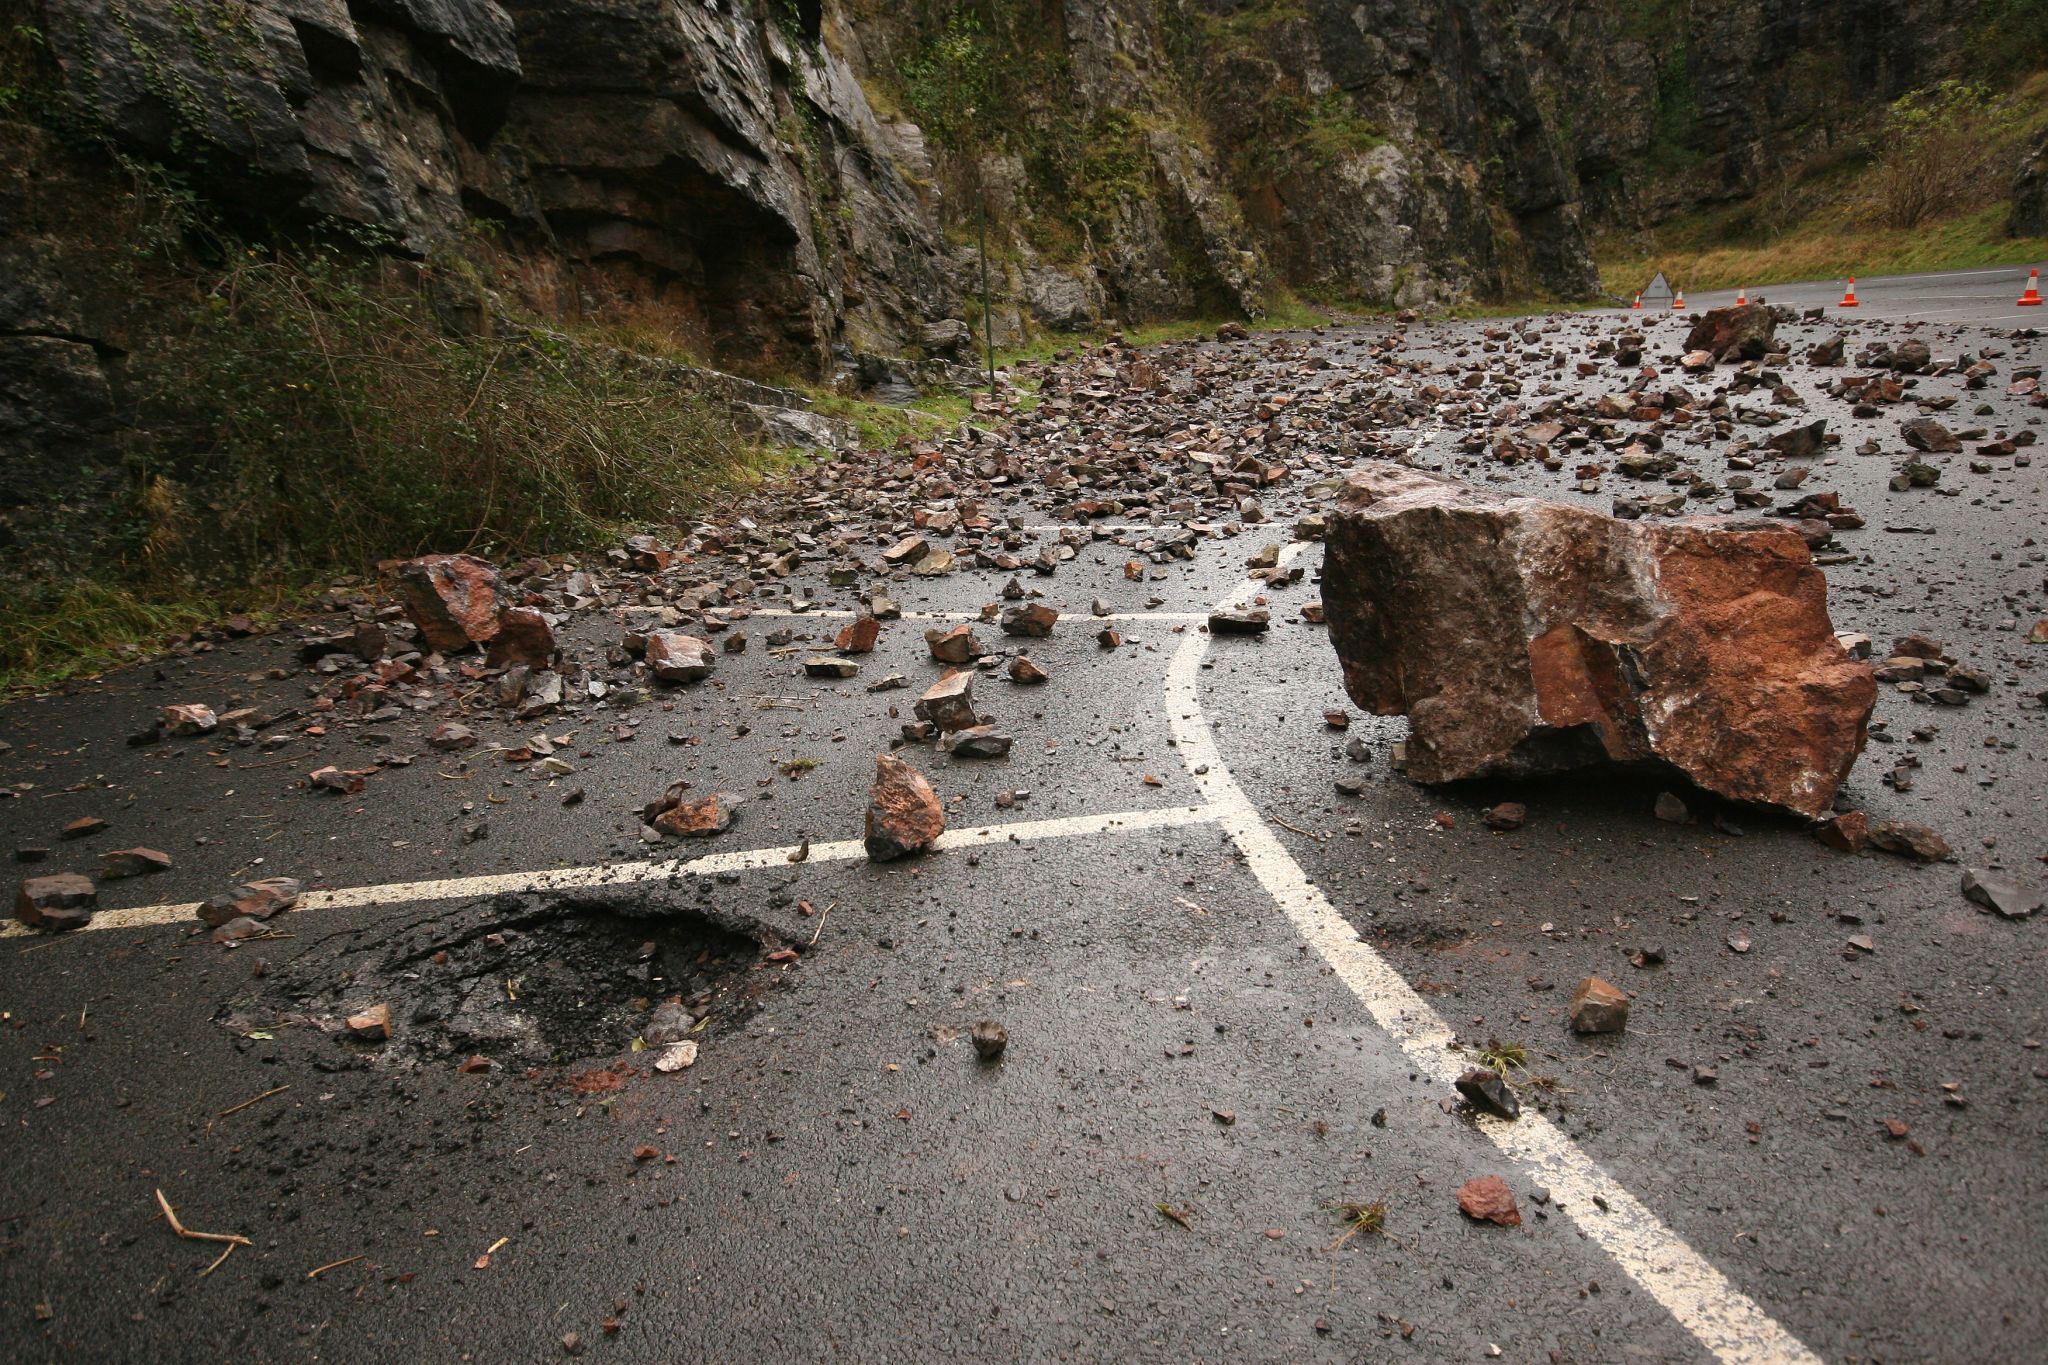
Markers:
(1725, 1321)
(627, 874)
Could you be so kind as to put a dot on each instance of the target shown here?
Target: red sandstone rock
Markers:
(523, 637)
(904, 814)
(678, 658)
(699, 819)
(1522, 636)
(1488, 1200)
(453, 599)
(1746, 333)
(859, 636)
(955, 646)
(63, 901)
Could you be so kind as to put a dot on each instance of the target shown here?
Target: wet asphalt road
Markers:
(838, 1178)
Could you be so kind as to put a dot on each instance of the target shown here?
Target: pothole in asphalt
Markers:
(525, 983)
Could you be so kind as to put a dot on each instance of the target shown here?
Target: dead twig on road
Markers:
(236, 1109)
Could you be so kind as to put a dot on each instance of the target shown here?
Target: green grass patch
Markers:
(1815, 250)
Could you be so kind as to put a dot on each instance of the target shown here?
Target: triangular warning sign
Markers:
(1658, 290)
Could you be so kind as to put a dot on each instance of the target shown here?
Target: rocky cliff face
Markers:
(1666, 105)
(711, 157)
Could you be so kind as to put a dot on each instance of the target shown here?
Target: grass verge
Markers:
(1815, 251)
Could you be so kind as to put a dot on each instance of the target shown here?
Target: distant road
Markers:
(1980, 297)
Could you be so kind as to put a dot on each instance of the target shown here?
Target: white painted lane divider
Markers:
(1725, 1321)
(841, 614)
(627, 874)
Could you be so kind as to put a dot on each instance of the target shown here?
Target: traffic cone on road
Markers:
(1678, 302)
(1742, 298)
(1849, 298)
(1638, 304)
(2032, 298)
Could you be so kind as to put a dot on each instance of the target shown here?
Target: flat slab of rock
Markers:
(1522, 636)
(2008, 895)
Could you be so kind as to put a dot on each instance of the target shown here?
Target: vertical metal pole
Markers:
(988, 317)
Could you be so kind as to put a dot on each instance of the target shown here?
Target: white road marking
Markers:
(841, 614)
(1700, 1297)
(626, 874)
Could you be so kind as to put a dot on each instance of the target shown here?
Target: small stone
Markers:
(1485, 1090)
(132, 862)
(189, 718)
(1109, 637)
(1243, 622)
(1848, 832)
(955, 646)
(63, 900)
(83, 826)
(1671, 810)
(977, 741)
(701, 818)
(1337, 718)
(908, 550)
(949, 702)
(1598, 1007)
(1508, 815)
(2009, 896)
(373, 1023)
(1026, 671)
(1034, 620)
(825, 666)
(257, 900)
(676, 1056)
(674, 657)
(859, 636)
(1488, 1200)
(524, 638)
(1909, 840)
(670, 1022)
(333, 779)
(990, 1038)
(453, 599)
(449, 736)
(904, 814)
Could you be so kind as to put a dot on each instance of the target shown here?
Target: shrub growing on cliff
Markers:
(326, 413)
(1941, 150)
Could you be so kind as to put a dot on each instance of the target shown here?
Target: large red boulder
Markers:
(1745, 333)
(1522, 636)
(453, 599)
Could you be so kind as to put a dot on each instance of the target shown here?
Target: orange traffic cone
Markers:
(1742, 297)
(2032, 298)
(1849, 298)
(1638, 304)
(1678, 302)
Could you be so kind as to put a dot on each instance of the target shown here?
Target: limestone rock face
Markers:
(1522, 636)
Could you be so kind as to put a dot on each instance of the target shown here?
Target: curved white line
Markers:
(1727, 1322)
